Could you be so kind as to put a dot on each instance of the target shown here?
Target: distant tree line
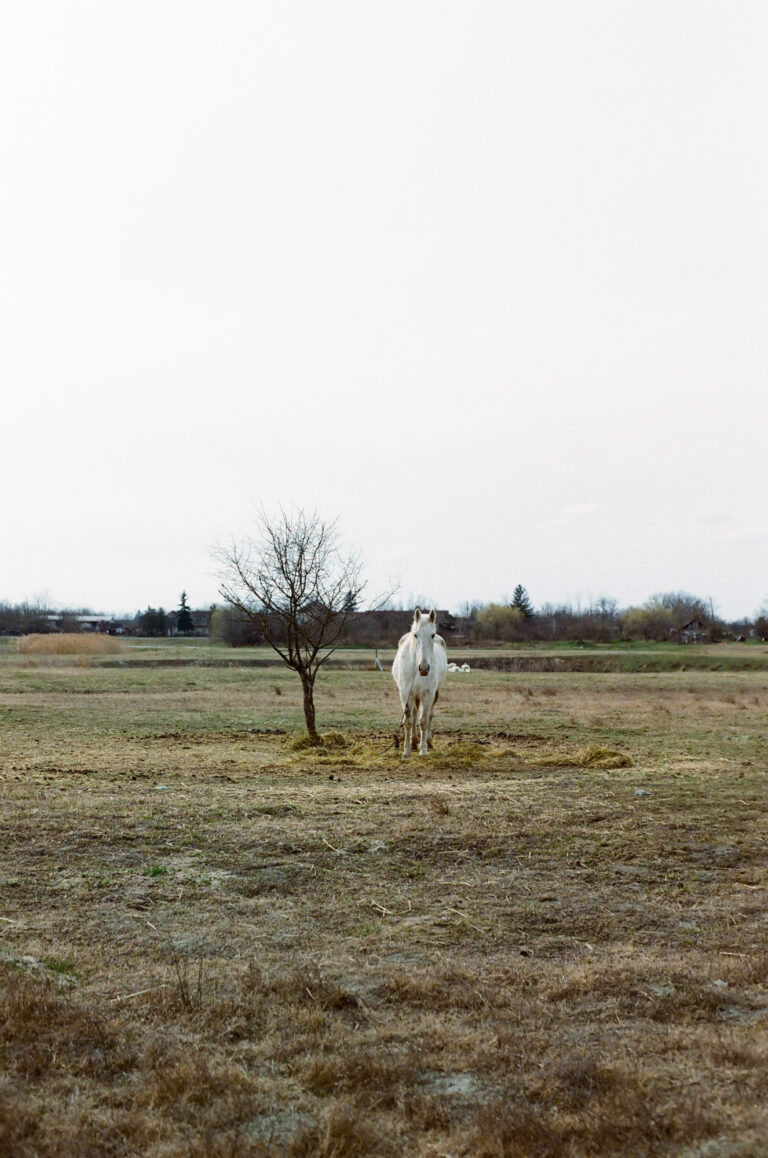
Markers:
(39, 619)
(513, 620)
(23, 618)
(664, 616)
(227, 625)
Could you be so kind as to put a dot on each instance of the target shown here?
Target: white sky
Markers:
(486, 281)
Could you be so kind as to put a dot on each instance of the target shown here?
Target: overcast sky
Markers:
(486, 281)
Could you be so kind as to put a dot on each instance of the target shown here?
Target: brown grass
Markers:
(212, 943)
(70, 643)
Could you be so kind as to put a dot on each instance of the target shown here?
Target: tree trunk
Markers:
(309, 706)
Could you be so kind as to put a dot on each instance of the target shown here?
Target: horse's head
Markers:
(423, 631)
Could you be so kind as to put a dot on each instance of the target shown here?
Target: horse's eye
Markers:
(433, 635)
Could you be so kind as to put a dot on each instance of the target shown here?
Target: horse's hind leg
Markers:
(417, 712)
(430, 745)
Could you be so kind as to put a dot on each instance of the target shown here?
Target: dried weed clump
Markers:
(595, 756)
(328, 742)
(69, 643)
(591, 756)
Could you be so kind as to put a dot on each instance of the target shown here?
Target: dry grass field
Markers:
(547, 939)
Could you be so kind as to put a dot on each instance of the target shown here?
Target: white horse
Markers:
(419, 670)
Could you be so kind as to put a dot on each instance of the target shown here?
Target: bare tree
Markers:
(294, 582)
(683, 606)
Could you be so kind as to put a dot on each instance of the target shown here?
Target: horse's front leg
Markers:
(424, 718)
(408, 729)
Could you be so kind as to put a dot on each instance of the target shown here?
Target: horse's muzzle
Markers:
(424, 669)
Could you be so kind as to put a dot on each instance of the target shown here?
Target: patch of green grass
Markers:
(368, 929)
(56, 965)
(100, 881)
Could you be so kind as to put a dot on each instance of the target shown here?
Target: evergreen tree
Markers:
(521, 601)
(184, 621)
(350, 602)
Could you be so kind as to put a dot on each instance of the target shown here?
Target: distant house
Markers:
(64, 622)
(200, 621)
(692, 632)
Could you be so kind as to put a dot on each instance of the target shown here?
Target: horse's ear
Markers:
(417, 615)
(432, 616)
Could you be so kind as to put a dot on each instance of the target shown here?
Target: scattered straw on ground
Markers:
(595, 756)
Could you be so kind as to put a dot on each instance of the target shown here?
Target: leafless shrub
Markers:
(307, 985)
(233, 1008)
(190, 984)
